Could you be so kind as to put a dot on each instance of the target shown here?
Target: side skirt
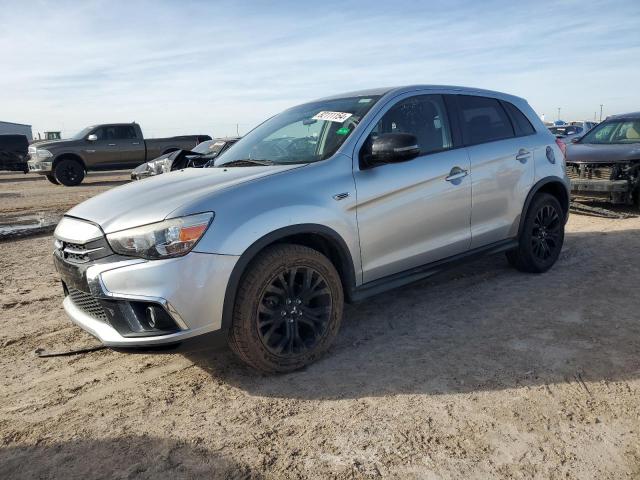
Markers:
(419, 273)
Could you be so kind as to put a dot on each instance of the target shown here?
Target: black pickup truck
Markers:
(112, 146)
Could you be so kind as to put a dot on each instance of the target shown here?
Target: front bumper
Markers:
(40, 166)
(189, 289)
(585, 186)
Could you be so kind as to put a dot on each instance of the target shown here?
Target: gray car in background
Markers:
(605, 163)
(337, 199)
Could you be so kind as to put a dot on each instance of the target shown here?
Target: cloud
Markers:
(205, 67)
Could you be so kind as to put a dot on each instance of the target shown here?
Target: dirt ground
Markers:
(482, 372)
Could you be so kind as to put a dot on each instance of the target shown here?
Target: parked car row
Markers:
(101, 147)
(334, 200)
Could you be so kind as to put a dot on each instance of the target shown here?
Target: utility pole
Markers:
(558, 113)
(601, 105)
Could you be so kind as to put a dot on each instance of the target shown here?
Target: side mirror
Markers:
(575, 139)
(393, 148)
(92, 138)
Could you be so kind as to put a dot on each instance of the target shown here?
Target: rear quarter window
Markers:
(521, 123)
(483, 120)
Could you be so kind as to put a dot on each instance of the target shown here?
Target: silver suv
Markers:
(337, 199)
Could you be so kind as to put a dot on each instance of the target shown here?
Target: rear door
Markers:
(501, 144)
(131, 146)
(415, 212)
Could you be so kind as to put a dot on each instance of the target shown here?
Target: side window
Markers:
(123, 132)
(483, 120)
(102, 133)
(423, 116)
(520, 121)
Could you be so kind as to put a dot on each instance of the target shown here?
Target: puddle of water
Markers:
(16, 226)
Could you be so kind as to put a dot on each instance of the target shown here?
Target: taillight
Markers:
(563, 147)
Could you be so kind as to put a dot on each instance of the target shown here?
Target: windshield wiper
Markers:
(247, 162)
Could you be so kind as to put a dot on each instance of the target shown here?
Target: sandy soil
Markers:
(479, 373)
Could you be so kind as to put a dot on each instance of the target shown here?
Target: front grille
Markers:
(87, 304)
(82, 252)
(585, 171)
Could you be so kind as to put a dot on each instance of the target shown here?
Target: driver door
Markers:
(415, 212)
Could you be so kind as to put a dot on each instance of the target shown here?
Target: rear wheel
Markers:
(541, 237)
(52, 179)
(288, 309)
(69, 172)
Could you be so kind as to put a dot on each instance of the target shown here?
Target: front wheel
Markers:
(69, 172)
(288, 309)
(541, 237)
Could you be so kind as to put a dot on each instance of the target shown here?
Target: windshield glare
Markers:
(295, 136)
(209, 147)
(614, 132)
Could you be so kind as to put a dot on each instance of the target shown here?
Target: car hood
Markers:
(54, 144)
(593, 153)
(153, 199)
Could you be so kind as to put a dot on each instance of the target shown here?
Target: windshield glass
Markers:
(570, 130)
(209, 147)
(82, 133)
(302, 134)
(614, 132)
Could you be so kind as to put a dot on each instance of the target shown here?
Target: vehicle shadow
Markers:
(104, 183)
(22, 178)
(123, 457)
(483, 326)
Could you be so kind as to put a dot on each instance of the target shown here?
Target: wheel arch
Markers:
(552, 185)
(69, 156)
(318, 237)
(169, 150)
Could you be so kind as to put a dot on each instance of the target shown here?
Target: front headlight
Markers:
(169, 238)
(160, 166)
(43, 154)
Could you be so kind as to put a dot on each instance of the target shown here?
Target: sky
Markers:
(217, 68)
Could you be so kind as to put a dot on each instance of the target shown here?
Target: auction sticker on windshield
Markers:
(332, 116)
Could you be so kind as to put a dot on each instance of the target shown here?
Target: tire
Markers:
(542, 236)
(287, 310)
(69, 172)
(52, 179)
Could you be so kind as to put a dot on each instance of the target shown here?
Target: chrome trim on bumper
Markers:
(39, 166)
(110, 337)
(195, 286)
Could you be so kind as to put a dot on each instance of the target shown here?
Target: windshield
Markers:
(570, 130)
(209, 147)
(302, 134)
(82, 133)
(614, 132)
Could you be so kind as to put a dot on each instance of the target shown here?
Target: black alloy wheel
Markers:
(288, 309)
(541, 237)
(546, 232)
(69, 172)
(294, 311)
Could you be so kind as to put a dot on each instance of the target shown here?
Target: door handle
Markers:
(456, 173)
(135, 143)
(111, 144)
(523, 155)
